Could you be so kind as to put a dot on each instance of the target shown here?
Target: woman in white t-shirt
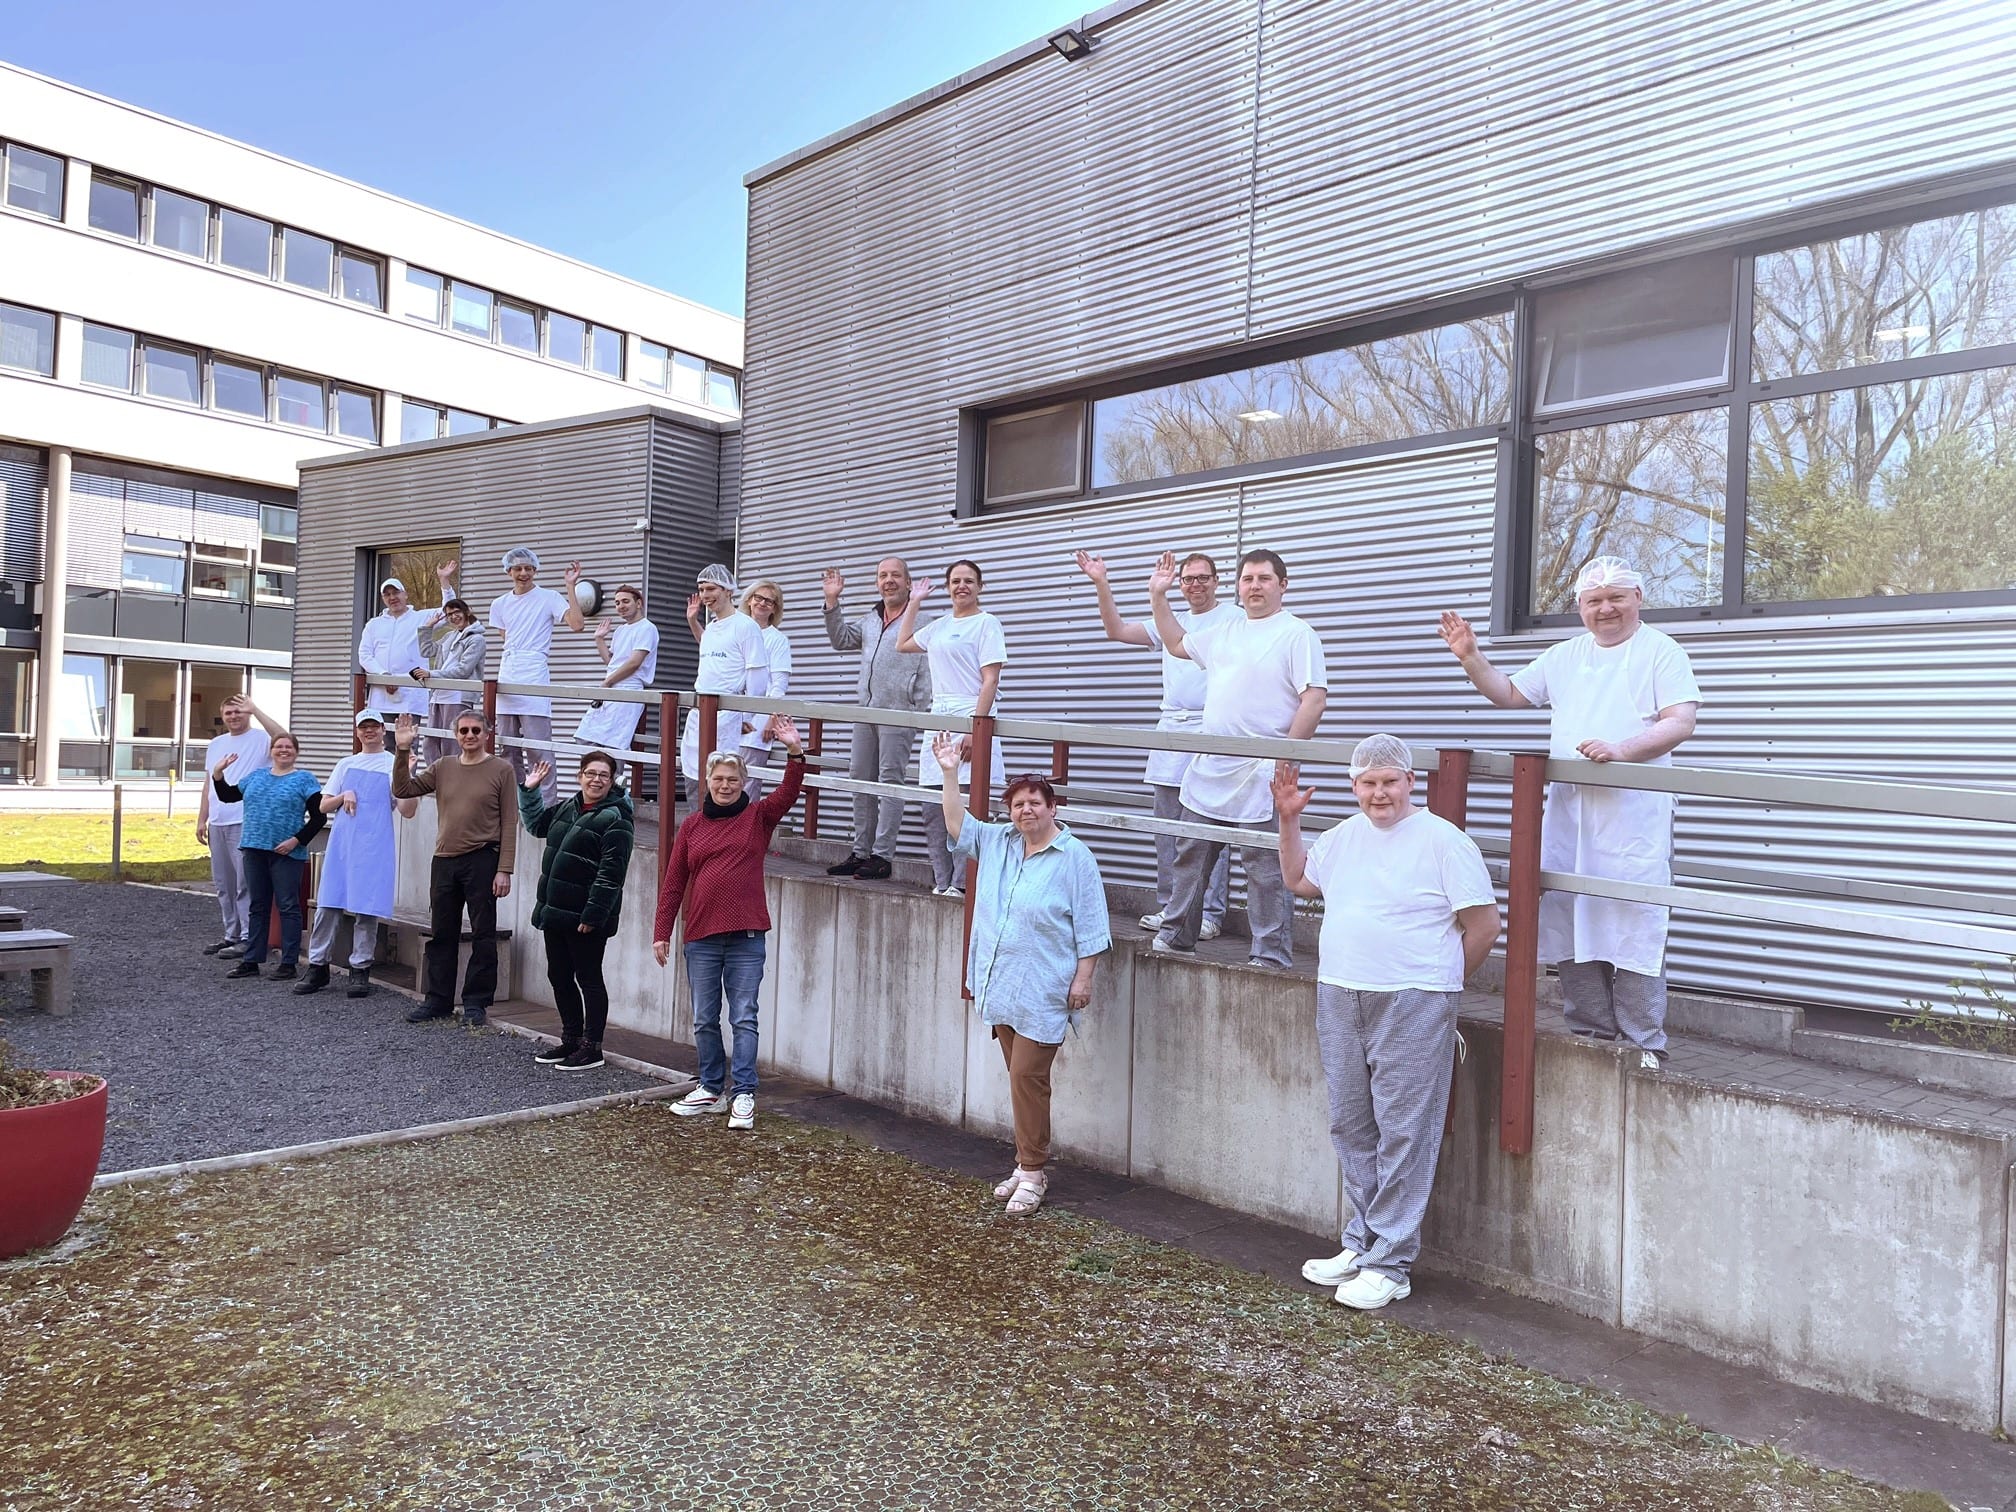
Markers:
(763, 602)
(967, 649)
(733, 659)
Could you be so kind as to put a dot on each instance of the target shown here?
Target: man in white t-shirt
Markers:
(628, 646)
(525, 618)
(1408, 914)
(219, 824)
(1622, 691)
(734, 658)
(390, 647)
(1264, 676)
(1182, 710)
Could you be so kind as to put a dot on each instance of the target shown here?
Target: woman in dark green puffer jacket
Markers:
(588, 840)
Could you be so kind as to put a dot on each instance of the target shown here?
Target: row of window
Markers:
(207, 569)
(195, 228)
(1827, 422)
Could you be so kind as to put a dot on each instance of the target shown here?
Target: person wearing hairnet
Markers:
(525, 617)
(1621, 691)
(734, 658)
(1408, 913)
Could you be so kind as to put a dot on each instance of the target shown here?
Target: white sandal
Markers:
(1005, 1188)
(1030, 1187)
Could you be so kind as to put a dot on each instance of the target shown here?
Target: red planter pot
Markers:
(48, 1157)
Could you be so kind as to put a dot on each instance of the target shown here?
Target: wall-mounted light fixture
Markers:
(1072, 44)
(588, 594)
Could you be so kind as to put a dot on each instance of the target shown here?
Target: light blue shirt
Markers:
(1034, 918)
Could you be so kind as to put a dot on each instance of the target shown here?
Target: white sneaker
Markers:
(700, 1101)
(1209, 930)
(1331, 1270)
(955, 892)
(1368, 1291)
(1152, 921)
(742, 1114)
(1648, 1060)
(1162, 946)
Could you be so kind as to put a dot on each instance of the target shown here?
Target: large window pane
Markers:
(274, 692)
(1650, 491)
(306, 261)
(219, 577)
(1633, 335)
(152, 565)
(689, 378)
(81, 699)
(279, 531)
(605, 350)
(1942, 285)
(359, 279)
(208, 688)
(421, 299)
(148, 694)
(518, 326)
(357, 414)
(463, 423)
(108, 357)
(181, 224)
(238, 388)
(1893, 488)
(1037, 455)
(419, 422)
(724, 390)
(469, 310)
(654, 364)
(300, 401)
(245, 241)
(27, 340)
(566, 338)
(35, 181)
(17, 701)
(171, 373)
(115, 206)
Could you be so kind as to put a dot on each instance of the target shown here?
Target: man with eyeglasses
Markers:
(1183, 684)
(1264, 677)
(889, 679)
(475, 848)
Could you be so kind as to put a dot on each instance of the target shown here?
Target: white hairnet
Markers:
(1609, 572)
(1381, 752)
(714, 572)
(521, 556)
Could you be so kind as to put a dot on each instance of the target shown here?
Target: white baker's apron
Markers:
(609, 727)
(1167, 768)
(523, 667)
(929, 773)
(1603, 832)
(359, 872)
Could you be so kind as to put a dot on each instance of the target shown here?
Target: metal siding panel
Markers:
(97, 520)
(685, 520)
(22, 478)
(731, 484)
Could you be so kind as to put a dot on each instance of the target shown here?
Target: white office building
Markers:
(184, 320)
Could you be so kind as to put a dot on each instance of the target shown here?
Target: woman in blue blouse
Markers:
(1039, 926)
(283, 812)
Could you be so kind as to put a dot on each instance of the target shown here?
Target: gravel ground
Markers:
(200, 1066)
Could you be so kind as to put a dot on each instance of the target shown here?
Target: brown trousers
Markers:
(1028, 1064)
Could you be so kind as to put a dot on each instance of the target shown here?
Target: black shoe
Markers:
(360, 982)
(242, 969)
(428, 1011)
(554, 1054)
(586, 1058)
(474, 1018)
(222, 946)
(315, 981)
(874, 869)
(850, 867)
(283, 972)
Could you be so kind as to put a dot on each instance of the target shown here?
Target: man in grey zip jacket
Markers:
(890, 679)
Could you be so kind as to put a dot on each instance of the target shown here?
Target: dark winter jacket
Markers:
(587, 853)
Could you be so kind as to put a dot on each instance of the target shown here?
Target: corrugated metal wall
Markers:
(568, 492)
(685, 509)
(1219, 171)
(731, 484)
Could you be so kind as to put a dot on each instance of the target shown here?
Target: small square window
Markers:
(108, 357)
(357, 414)
(171, 373)
(27, 340)
(360, 279)
(689, 378)
(1634, 335)
(566, 339)
(1039, 454)
(654, 364)
(238, 388)
(724, 390)
(35, 181)
(276, 587)
(419, 422)
(422, 298)
(245, 242)
(115, 206)
(463, 423)
(518, 326)
(306, 261)
(180, 224)
(469, 310)
(302, 402)
(605, 350)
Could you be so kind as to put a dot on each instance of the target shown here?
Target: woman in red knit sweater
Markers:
(716, 872)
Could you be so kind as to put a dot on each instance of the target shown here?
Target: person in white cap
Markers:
(628, 646)
(734, 658)
(525, 618)
(362, 861)
(1408, 913)
(1622, 691)
(390, 647)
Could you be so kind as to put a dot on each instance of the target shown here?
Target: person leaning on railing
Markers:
(1039, 928)
(715, 873)
(588, 841)
(889, 679)
(453, 644)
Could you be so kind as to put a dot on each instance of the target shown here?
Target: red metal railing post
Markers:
(490, 715)
(668, 777)
(360, 700)
(1449, 787)
(1522, 955)
(978, 801)
(1060, 766)
(815, 740)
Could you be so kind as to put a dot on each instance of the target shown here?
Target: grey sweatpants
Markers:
(1386, 1059)
(1603, 1001)
(227, 871)
(322, 938)
(880, 753)
(1269, 911)
(535, 727)
(1169, 805)
(945, 872)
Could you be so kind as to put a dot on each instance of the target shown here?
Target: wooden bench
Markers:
(46, 953)
(420, 930)
(13, 918)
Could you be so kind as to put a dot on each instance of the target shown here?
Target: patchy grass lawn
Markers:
(155, 847)
(623, 1310)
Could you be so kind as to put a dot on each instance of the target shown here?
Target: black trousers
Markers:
(574, 967)
(458, 883)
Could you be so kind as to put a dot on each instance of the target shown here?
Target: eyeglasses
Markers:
(762, 598)
(1192, 579)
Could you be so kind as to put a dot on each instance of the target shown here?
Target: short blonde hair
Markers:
(777, 619)
(727, 758)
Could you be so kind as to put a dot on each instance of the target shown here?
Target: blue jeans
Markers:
(275, 882)
(731, 963)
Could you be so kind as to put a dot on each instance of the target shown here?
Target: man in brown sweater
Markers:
(476, 804)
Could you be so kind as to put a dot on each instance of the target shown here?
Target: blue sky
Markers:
(614, 132)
